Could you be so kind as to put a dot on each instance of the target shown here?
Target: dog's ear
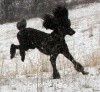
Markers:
(50, 22)
(21, 24)
(48, 19)
(60, 11)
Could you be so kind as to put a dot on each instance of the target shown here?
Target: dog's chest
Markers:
(51, 46)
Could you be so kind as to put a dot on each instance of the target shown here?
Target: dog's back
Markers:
(29, 37)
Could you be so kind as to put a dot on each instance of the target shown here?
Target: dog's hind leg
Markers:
(56, 74)
(77, 65)
(22, 54)
(13, 50)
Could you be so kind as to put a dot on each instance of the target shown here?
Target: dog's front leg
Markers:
(22, 54)
(77, 65)
(56, 74)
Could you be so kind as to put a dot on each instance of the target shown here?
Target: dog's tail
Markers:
(21, 24)
(50, 22)
(60, 11)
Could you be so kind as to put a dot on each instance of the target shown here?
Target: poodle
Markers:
(51, 44)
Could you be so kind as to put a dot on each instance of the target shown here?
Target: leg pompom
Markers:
(12, 50)
(80, 68)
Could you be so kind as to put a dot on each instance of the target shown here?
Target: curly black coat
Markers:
(50, 44)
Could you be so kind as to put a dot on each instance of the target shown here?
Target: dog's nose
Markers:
(72, 32)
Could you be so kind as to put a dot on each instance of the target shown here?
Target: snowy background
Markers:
(14, 10)
(35, 74)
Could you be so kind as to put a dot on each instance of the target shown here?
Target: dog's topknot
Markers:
(60, 11)
(49, 22)
(21, 24)
(59, 19)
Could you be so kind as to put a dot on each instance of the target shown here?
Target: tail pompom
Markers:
(21, 24)
(50, 22)
(60, 11)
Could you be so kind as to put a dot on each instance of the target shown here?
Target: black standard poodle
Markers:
(51, 44)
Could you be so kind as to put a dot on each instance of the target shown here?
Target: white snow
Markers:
(35, 74)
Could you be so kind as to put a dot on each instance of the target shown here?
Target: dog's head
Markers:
(21, 24)
(59, 21)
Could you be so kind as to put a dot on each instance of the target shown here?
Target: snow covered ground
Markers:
(35, 74)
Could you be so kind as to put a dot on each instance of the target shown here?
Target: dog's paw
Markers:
(56, 75)
(22, 58)
(85, 73)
